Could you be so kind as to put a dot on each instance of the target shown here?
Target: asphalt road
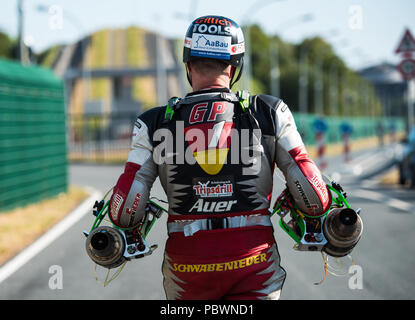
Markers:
(385, 255)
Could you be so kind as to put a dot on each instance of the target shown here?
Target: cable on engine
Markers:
(114, 276)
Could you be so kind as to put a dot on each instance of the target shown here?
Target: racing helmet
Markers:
(215, 37)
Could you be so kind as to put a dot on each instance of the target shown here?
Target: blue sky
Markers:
(363, 32)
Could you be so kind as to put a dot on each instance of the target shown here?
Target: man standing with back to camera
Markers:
(220, 238)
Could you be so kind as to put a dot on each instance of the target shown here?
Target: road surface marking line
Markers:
(369, 183)
(55, 232)
(367, 158)
(361, 163)
(372, 160)
(399, 204)
(363, 158)
(366, 194)
(391, 202)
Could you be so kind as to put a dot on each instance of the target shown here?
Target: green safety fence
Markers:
(33, 152)
(334, 127)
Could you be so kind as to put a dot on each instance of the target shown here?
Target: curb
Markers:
(47, 238)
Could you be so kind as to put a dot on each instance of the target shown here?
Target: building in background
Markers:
(111, 77)
(390, 88)
(117, 70)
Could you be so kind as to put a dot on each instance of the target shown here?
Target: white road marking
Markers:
(55, 232)
(391, 202)
(336, 176)
(399, 204)
(369, 183)
(366, 194)
(357, 170)
(363, 157)
(368, 160)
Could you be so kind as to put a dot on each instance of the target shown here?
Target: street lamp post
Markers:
(303, 81)
(78, 25)
(274, 69)
(318, 78)
(161, 74)
(334, 89)
(318, 86)
(246, 80)
(274, 61)
(23, 51)
(410, 91)
(334, 80)
(246, 19)
(337, 81)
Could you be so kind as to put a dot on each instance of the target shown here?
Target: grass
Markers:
(21, 226)
(107, 157)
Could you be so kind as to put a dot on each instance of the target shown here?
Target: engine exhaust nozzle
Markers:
(105, 246)
(342, 229)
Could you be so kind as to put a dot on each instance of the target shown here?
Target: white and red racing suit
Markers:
(215, 160)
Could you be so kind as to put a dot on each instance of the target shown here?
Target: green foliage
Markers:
(343, 92)
(342, 88)
(6, 46)
(260, 56)
(48, 57)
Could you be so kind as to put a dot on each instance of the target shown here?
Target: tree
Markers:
(341, 86)
(6, 46)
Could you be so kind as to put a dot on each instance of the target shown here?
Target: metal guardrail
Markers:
(335, 127)
(107, 137)
(100, 137)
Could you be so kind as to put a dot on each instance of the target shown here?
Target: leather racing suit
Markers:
(215, 160)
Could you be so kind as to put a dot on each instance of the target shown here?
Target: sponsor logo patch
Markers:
(209, 143)
(321, 188)
(311, 207)
(214, 20)
(117, 201)
(221, 28)
(133, 209)
(202, 205)
(187, 42)
(238, 48)
(207, 45)
(213, 189)
(218, 267)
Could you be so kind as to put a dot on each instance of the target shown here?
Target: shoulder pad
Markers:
(271, 101)
(152, 118)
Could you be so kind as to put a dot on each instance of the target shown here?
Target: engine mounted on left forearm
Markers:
(335, 232)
